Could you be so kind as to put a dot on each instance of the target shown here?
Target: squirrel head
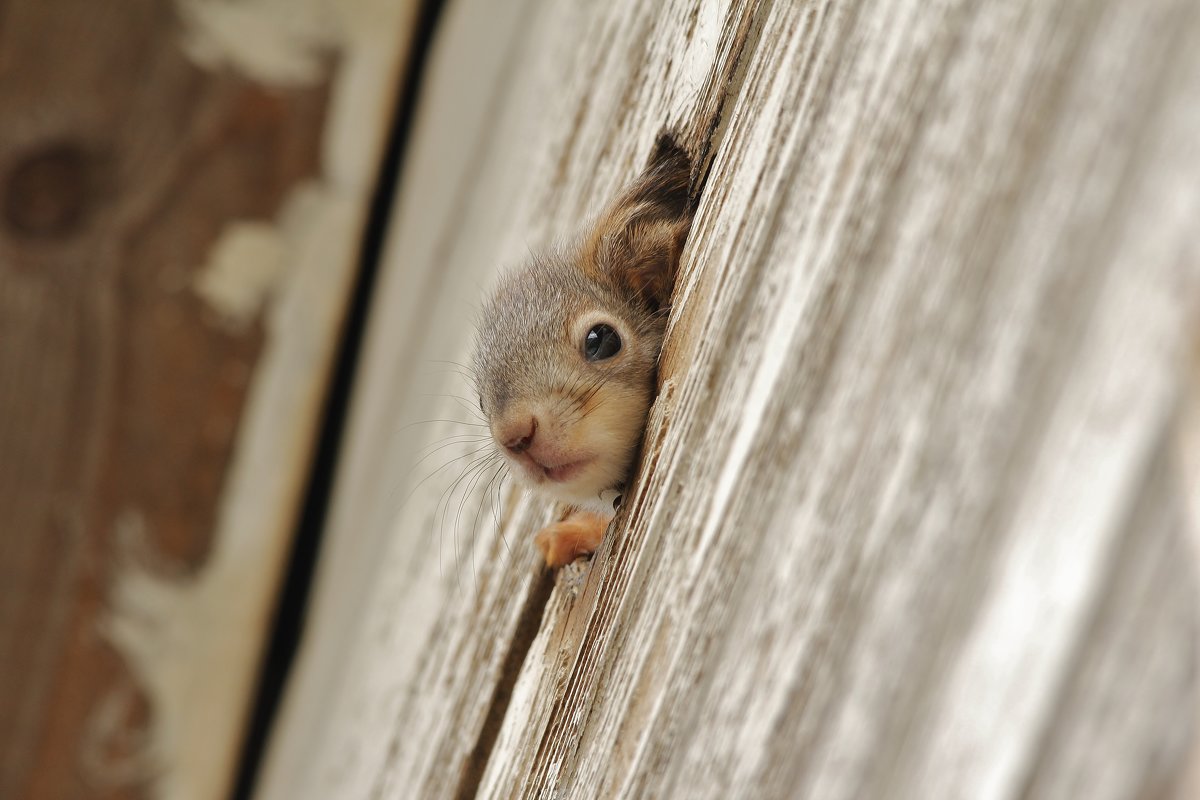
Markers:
(567, 346)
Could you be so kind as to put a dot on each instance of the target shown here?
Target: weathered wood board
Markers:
(183, 187)
(906, 524)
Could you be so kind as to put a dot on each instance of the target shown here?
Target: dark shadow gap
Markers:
(288, 623)
(528, 625)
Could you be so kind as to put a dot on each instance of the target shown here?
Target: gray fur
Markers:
(524, 343)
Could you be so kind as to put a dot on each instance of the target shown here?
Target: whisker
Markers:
(431, 421)
(589, 392)
(449, 498)
(487, 495)
(470, 378)
(599, 405)
(498, 518)
(441, 570)
(451, 363)
(487, 487)
(471, 484)
(472, 407)
(439, 469)
(459, 368)
(442, 444)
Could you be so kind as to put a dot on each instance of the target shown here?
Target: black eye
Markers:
(601, 342)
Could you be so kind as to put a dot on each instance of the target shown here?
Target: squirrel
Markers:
(567, 348)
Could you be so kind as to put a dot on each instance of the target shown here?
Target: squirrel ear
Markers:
(647, 258)
(639, 238)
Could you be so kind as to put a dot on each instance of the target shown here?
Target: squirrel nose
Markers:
(519, 436)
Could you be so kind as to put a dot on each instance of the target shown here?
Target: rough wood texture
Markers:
(182, 191)
(905, 525)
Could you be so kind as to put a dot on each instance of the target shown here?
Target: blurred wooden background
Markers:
(911, 520)
(184, 188)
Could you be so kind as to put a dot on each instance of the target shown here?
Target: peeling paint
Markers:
(192, 640)
(288, 43)
(250, 259)
(246, 262)
(279, 42)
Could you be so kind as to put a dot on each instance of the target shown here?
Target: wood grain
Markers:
(166, 326)
(904, 500)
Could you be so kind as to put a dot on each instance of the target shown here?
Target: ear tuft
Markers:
(638, 240)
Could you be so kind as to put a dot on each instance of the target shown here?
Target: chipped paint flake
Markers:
(246, 262)
(279, 42)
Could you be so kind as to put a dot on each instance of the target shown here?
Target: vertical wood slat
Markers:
(182, 191)
(903, 497)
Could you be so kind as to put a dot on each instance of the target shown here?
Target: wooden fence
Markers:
(910, 520)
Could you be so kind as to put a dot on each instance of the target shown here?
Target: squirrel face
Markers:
(567, 373)
(567, 346)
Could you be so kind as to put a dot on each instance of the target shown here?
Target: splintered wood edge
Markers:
(363, 519)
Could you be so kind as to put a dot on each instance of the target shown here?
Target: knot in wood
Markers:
(47, 191)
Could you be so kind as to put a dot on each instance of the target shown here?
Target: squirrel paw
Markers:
(577, 535)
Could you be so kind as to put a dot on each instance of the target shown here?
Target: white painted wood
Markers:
(904, 504)
(195, 642)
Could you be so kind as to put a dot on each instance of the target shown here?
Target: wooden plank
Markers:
(923, 358)
(435, 273)
(1133, 665)
(1188, 457)
(183, 187)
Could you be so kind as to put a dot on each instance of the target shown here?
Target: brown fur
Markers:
(639, 238)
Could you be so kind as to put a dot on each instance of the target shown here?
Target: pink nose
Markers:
(518, 436)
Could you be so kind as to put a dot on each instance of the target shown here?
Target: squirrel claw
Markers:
(577, 535)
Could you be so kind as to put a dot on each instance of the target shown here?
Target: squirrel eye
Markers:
(601, 342)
